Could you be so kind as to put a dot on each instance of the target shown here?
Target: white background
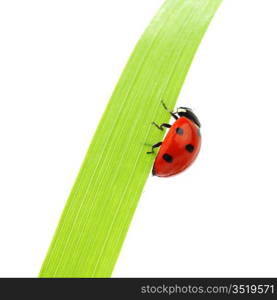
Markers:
(59, 62)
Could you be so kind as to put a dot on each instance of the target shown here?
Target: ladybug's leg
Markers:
(162, 125)
(153, 147)
(172, 113)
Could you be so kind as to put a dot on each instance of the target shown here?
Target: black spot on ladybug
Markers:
(199, 132)
(168, 158)
(153, 171)
(179, 131)
(189, 148)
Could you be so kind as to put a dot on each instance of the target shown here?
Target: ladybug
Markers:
(181, 145)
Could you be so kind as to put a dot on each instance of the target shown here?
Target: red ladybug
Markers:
(181, 145)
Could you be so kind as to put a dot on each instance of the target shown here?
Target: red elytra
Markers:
(181, 145)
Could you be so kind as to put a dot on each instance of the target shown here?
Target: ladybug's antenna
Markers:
(172, 113)
(165, 107)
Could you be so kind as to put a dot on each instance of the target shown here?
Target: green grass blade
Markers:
(102, 202)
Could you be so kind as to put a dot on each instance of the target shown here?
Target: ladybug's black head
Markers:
(188, 113)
